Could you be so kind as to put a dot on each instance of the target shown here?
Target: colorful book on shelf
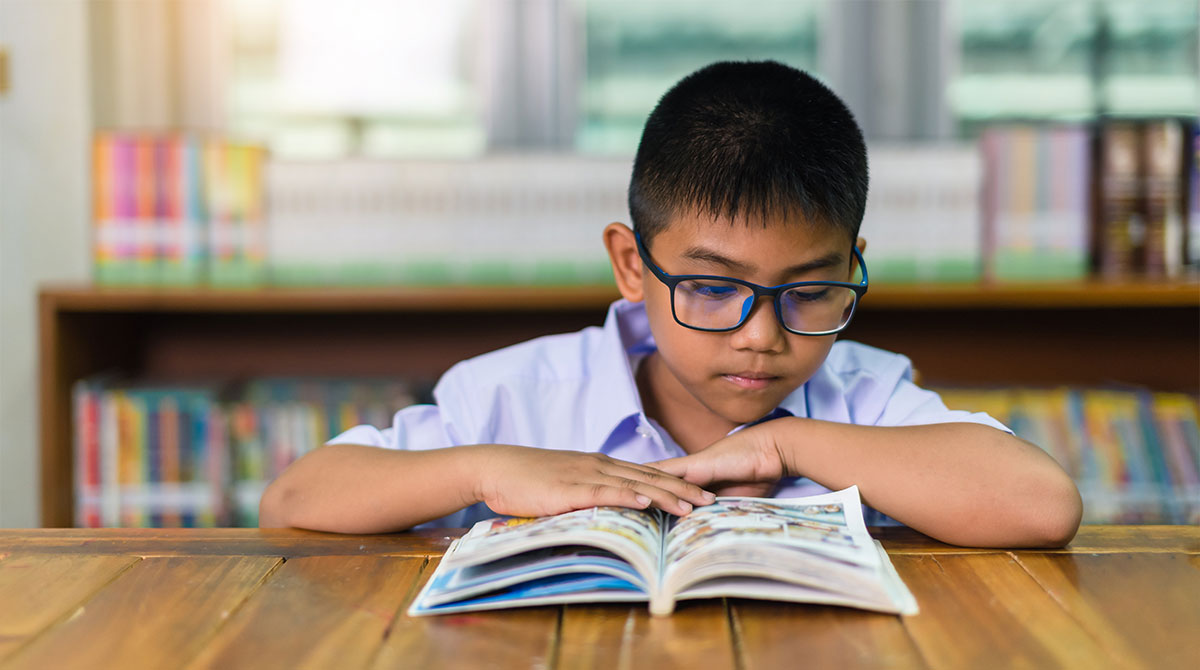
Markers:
(1035, 201)
(1142, 221)
(233, 178)
(176, 208)
(1192, 229)
(87, 455)
(810, 550)
(1162, 187)
(201, 454)
(1135, 455)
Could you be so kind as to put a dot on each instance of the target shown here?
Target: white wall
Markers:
(44, 195)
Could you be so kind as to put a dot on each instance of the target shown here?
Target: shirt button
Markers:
(645, 430)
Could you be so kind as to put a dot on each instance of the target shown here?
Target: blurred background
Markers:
(240, 158)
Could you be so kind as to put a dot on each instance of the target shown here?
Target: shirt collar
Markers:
(613, 400)
(613, 397)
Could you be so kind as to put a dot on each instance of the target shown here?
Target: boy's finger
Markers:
(662, 498)
(600, 495)
(683, 489)
(686, 468)
(650, 468)
(671, 466)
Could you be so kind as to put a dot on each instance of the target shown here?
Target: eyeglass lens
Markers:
(718, 305)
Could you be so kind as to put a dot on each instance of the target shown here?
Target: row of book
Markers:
(1039, 202)
(1028, 202)
(1115, 199)
(201, 455)
(1135, 455)
(177, 209)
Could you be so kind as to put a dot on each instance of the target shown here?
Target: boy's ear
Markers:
(626, 264)
(861, 243)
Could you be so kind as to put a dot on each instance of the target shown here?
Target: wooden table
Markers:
(1119, 596)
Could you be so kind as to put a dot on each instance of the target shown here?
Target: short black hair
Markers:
(749, 138)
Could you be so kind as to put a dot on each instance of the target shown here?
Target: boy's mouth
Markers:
(750, 380)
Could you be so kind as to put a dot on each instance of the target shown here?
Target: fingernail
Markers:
(709, 496)
(643, 500)
(687, 506)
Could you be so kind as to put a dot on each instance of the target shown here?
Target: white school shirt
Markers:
(576, 391)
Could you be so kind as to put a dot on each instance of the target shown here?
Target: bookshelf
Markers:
(1081, 333)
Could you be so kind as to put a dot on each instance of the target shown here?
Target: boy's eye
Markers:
(710, 290)
(808, 295)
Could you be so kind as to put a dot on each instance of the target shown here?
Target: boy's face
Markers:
(740, 375)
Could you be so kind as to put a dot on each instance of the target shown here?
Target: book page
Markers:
(633, 535)
(749, 546)
(828, 525)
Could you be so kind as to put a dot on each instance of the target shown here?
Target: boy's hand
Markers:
(746, 463)
(524, 481)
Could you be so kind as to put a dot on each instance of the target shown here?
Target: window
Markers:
(380, 78)
(1074, 59)
(636, 50)
(403, 78)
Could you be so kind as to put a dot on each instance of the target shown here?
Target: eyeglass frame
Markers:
(773, 292)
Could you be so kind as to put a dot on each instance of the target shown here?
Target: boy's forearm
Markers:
(962, 483)
(358, 489)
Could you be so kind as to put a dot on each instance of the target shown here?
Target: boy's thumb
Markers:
(671, 466)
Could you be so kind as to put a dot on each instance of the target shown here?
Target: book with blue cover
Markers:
(814, 549)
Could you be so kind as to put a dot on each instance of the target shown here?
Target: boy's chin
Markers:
(744, 412)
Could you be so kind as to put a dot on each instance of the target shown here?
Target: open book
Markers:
(812, 550)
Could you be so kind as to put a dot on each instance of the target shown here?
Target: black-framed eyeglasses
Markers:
(717, 304)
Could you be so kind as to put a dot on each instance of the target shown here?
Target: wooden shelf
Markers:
(1080, 333)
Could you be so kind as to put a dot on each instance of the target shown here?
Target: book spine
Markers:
(194, 242)
(1119, 227)
(145, 215)
(1160, 479)
(254, 219)
(110, 459)
(1192, 241)
(104, 210)
(168, 426)
(205, 515)
(124, 222)
(126, 444)
(152, 464)
(1162, 154)
(218, 464)
(187, 516)
(170, 215)
(87, 512)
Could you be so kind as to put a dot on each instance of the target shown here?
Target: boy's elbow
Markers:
(272, 505)
(1062, 510)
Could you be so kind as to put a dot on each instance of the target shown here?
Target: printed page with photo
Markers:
(591, 555)
(807, 549)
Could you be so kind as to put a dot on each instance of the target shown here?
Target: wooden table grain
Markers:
(1118, 596)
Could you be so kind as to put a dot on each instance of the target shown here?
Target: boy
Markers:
(754, 177)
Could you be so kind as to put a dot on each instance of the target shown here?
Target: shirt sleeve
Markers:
(414, 428)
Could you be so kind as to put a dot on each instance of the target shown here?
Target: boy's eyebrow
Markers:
(829, 260)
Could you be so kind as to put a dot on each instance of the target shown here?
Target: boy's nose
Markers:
(761, 331)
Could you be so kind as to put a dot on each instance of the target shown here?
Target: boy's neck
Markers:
(692, 425)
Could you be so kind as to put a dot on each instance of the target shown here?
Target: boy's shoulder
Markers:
(544, 391)
(848, 357)
(546, 358)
